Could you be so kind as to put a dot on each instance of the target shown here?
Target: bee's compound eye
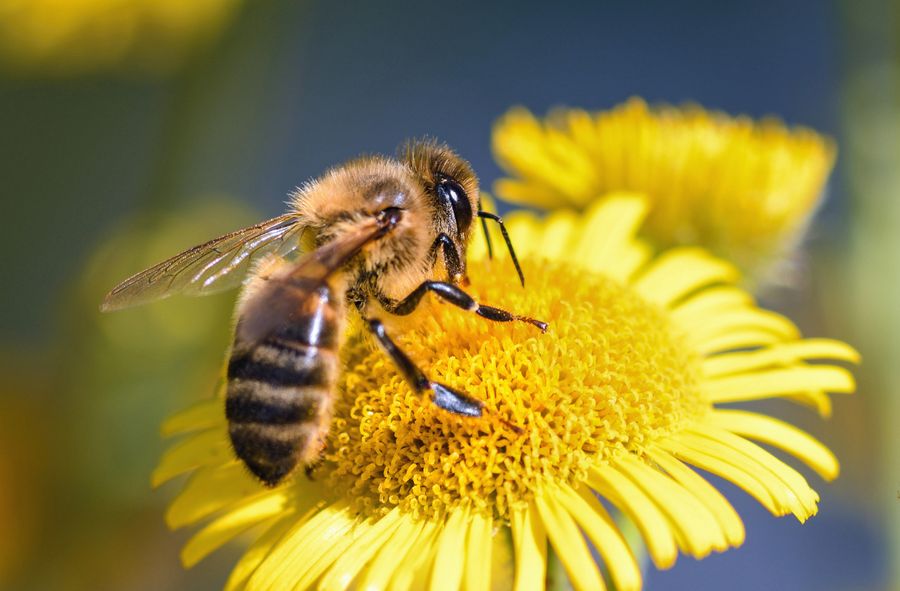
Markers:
(449, 191)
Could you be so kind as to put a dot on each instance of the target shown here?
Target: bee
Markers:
(373, 235)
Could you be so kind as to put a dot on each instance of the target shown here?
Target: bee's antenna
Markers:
(487, 235)
(512, 253)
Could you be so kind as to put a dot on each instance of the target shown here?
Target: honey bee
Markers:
(373, 235)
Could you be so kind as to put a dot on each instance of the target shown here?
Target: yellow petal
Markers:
(778, 382)
(448, 568)
(232, 523)
(780, 354)
(202, 415)
(599, 527)
(633, 258)
(258, 551)
(477, 575)
(712, 499)
(607, 230)
(653, 525)
(554, 238)
(530, 540)
(726, 323)
(678, 272)
(781, 435)
(307, 540)
(796, 484)
(785, 500)
(345, 568)
(717, 299)
(738, 339)
(815, 399)
(206, 448)
(697, 527)
(569, 543)
(712, 462)
(413, 567)
(209, 490)
(391, 555)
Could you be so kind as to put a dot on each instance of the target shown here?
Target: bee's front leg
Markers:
(442, 395)
(456, 296)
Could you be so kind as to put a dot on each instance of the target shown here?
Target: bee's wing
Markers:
(217, 265)
(270, 308)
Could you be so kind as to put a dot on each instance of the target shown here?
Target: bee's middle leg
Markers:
(456, 296)
(442, 395)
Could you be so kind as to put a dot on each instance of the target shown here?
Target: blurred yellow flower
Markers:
(77, 36)
(617, 400)
(742, 189)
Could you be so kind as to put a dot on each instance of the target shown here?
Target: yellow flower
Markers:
(742, 189)
(76, 36)
(617, 400)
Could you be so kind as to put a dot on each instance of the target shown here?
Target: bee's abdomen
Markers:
(278, 404)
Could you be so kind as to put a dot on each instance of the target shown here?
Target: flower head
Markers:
(78, 36)
(617, 401)
(743, 189)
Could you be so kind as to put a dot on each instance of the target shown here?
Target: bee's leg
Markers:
(442, 395)
(309, 469)
(457, 297)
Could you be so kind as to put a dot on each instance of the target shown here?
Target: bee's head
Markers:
(451, 186)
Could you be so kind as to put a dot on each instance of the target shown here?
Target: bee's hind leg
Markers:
(442, 395)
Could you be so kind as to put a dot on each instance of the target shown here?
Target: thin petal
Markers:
(681, 271)
(599, 527)
(712, 462)
(555, 235)
(784, 498)
(210, 489)
(258, 551)
(779, 382)
(569, 543)
(781, 435)
(323, 557)
(530, 540)
(421, 554)
(726, 323)
(626, 495)
(206, 448)
(390, 556)
(607, 230)
(780, 354)
(477, 575)
(698, 528)
(815, 399)
(724, 513)
(633, 258)
(202, 415)
(712, 300)
(448, 568)
(799, 488)
(306, 541)
(739, 339)
(232, 523)
(345, 568)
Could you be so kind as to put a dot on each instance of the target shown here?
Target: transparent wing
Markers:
(220, 264)
(277, 301)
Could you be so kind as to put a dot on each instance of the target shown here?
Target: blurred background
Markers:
(130, 129)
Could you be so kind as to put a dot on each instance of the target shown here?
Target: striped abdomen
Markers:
(280, 389)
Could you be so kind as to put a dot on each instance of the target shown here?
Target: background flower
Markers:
(741, 188)
(78, 36)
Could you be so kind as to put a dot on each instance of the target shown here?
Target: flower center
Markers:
(610, 375)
